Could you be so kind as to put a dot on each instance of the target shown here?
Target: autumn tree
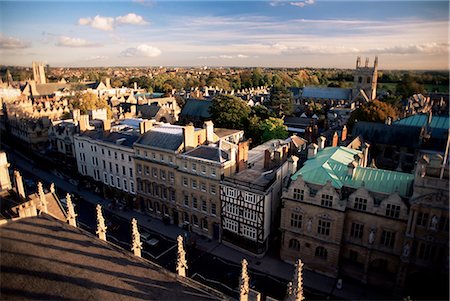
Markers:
(281, 102)
(229, 112)
(374, 111)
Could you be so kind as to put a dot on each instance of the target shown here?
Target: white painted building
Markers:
(107, 157)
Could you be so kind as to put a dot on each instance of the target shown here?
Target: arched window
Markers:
(360, 79)
(195, 220)
(321, 252)
(294, 244)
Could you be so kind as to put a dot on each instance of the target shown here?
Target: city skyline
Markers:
(404, 34)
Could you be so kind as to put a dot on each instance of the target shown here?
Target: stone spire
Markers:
(19, 184)
(136, 246)
(243, 287)
(181, 260)
(101, 227)
(71, 215)
(42, 200)
(295, 291)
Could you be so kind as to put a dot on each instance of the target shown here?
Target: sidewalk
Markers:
(267, 265)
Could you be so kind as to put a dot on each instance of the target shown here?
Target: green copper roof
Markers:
(331, 163)
(439, 124)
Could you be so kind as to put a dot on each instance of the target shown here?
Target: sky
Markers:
(297, 33)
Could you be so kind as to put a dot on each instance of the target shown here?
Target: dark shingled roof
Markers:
(148, 111)
(197, 107)
(112, 137)
(208, 153)
(380, 133)
(161, 140)
(43, 258)
(327, 93)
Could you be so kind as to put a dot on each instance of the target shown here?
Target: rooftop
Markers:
(197, 107)
(209, 153)
(43, 258)
(327, 93)
(330, 164)
(127, 140)
(439, 125)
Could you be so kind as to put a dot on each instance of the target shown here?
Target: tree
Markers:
(90, 101)
(229, 112)
(273, 128)
(281, 102)
(374, 111)
(409, 86)
(261, 111)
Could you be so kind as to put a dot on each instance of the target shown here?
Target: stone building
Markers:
(61, 135)
(178, 173)
(108, 157)
(365, 81)
(250, 198)
(343, 218)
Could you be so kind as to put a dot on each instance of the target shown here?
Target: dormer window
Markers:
(299, 194)
(360, 204)
(392, 210)
(327, 200)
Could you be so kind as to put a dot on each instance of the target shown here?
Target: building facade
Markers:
(345, 219)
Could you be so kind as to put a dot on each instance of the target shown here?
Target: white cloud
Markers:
(131, 19)
(428, 48)
(98, 22)
(225, 56)
(12, 43)
(141, 50)
(108, 23)
(96, 58)
(64, 41)
(302, 3)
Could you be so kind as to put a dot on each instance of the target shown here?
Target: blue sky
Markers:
(307, 33)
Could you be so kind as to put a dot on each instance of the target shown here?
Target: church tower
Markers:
(365, 81)
(39, 73)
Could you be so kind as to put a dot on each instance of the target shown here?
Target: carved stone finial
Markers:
(52, 187)
(136, 246)
(71, 215)
(42, 200)
(101, 227)
(181, 260)
(295, 292)
(244, 287)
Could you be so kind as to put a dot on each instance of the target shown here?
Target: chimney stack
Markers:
(365, 152)
(108, 82)
(84, 123)
(344, 134)
(388, 120)
(209, 127)
(19, 184)
(335, 140)
(189, 137)
(107, 125)
(321, 142)
(135, 85)
(242, 155)
(145, 126)
(292, 163)
(312, 151)
(351, 168)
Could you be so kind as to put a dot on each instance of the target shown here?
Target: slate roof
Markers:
(330, 164)
(112, 137)
(43, 258)
(327, 93)
(148, 111)
(169, 137)
(197, 107)
(439, 124)
(380, 133)
(209, 153)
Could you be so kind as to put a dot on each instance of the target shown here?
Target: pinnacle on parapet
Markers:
(71, 215)
(181, 260)
(136, 246)
(101, 227)
(244, 282)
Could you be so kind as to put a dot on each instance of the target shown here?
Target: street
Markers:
(204, 267)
